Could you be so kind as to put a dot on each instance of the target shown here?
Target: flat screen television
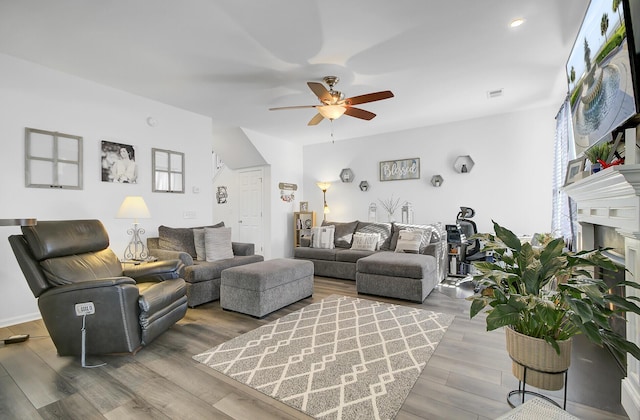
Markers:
(600, 74)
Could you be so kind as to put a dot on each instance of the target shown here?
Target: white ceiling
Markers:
(233, 59)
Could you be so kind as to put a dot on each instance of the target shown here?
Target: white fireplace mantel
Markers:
(611, 198)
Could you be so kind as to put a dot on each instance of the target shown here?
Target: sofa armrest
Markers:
(431, 249)
(163, 254)
(154, 271)
(243, 248)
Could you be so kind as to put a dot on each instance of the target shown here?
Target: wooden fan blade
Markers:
(321, 92)
(359, 113)
(292, 107)
(315, 120)
(369, 97)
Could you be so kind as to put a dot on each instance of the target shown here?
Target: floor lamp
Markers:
(134, 207)
(324, 186)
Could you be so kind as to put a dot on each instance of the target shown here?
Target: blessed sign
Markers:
(393, 170)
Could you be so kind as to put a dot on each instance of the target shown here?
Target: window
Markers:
(168, 171)
(52, 160)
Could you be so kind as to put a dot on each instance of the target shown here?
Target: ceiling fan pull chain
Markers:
(332, 139)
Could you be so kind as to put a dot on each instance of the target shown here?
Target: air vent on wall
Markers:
(494, 93)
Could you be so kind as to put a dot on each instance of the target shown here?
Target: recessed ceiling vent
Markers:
(494, 93)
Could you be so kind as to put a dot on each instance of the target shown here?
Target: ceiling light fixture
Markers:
(516, 22)
(332, 112)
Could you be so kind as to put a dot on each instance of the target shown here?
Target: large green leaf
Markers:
(508, 237)
(477, 304)
(623, 303)
(617, 342)
(502, 316)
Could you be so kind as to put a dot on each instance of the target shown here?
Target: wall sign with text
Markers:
(394, 170)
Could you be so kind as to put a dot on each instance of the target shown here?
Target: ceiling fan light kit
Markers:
(333, 104)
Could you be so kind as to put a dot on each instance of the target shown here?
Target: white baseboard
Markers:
(630, 399)
(19, 319)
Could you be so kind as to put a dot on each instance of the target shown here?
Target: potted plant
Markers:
(598, 155)
(545, 296)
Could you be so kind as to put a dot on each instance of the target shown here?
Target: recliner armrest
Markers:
(243, 248)
(154, 271)
(163, 254)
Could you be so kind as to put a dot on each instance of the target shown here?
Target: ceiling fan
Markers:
(333, 104)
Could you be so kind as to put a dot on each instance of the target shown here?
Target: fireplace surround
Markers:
(611, 198)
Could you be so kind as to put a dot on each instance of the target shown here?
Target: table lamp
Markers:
(134, 207)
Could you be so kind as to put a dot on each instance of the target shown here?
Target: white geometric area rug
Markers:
(340, 358)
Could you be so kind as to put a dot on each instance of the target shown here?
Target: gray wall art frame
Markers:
(52, 160)
(400, 169)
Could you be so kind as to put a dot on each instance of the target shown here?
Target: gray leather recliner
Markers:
(69, 262)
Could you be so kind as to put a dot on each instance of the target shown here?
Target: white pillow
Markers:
(217, 243)
(365, 241)
(409, 241)
(198, 241)
(322, 237)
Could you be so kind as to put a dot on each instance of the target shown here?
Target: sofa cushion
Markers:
(323, 237)
(206, 271)
(179, 239)
(365, 241)
(351, 255)
(384, 229)
(393, 264)
(217, 243)
(343, 233)
(315, 253)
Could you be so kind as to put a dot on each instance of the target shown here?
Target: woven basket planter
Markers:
(535, 353)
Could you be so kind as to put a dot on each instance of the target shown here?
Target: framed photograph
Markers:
(574, 170)
(304, 206)
(119, 163)
(395, 170)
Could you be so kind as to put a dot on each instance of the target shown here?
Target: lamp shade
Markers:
(331, 112)
(324, 186)
(133, 207)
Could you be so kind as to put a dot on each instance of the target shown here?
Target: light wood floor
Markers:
(468, 376)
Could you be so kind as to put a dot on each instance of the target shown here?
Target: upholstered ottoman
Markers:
(397, 275)
(260, 288)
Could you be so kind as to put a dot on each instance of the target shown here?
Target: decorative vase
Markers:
(596, 167)
(535, 353)
(391, 218)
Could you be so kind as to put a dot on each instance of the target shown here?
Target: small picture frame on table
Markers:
(304, 206)
(575, 168)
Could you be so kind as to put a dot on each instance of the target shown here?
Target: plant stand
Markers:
(521, 391)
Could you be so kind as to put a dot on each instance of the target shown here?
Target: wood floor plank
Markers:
(41, 384)
(73, 407)
(13, 403)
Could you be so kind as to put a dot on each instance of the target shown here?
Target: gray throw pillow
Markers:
(198, 241)
(217, 243)
(176, 239)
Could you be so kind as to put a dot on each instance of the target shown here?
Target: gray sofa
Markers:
(202, 277)
(342, 262)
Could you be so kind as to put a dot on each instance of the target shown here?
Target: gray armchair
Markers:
(69, 262)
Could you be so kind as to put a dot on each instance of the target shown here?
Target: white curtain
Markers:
(563, 219)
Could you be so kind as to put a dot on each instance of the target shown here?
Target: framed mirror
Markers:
(52, 160)
(168, 171)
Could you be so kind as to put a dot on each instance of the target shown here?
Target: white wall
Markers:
(285, 161)
(36, 97)
(510, 182)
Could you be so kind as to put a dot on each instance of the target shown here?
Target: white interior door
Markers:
(250, 208)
